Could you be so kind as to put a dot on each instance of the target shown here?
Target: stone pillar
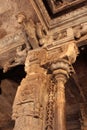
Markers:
(29, 104)
(61, 71)
(61, 118)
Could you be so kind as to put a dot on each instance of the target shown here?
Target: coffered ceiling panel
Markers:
(61, 13)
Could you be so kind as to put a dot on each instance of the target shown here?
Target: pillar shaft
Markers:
(29, 104)
(61, 71)
(61, 118)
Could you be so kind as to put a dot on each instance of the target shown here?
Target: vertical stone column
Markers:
(29, 104)
(61, 71)
(61, 118)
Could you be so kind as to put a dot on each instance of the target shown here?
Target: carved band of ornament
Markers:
(66, 35)
(10, 40)
(75, 33)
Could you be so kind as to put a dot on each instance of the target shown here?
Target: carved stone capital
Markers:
(62, 69)
(51, 54)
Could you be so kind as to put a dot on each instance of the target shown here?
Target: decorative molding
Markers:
(57, 6)
(72, 18)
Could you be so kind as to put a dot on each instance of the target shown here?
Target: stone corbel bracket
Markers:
(51, 54)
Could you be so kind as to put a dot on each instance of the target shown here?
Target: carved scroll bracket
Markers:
(80, 30)
(35, 31)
